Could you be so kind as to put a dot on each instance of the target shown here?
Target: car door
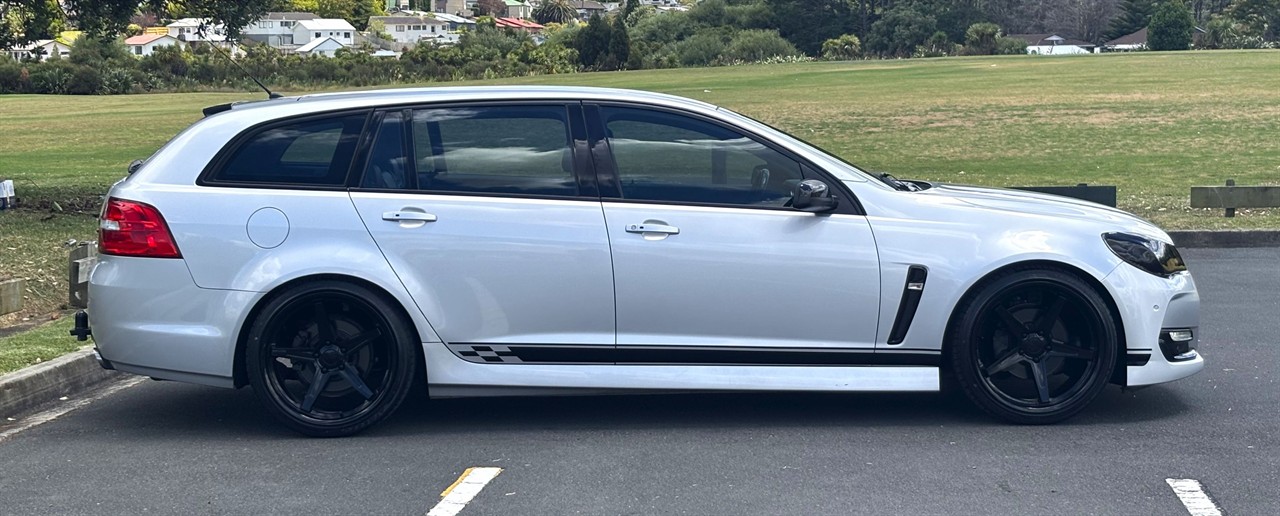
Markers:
(711, 265)
(484, 213)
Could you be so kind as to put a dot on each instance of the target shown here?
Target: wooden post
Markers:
(1231, 212)
(11, 295)
(79, 264)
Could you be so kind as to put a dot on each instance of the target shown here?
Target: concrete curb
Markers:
(1226, 238)
(67, 375)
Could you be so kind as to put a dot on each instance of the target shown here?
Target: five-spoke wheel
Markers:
(1034, 346)
(330, 358)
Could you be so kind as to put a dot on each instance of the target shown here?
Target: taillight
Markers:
(130, 228)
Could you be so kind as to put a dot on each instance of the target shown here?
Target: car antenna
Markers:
(270, 94)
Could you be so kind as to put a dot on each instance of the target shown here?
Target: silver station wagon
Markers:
(332, 250)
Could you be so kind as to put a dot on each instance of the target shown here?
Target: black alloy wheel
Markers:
(330, 358)
(1034, 346)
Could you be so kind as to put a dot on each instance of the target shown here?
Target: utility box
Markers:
(7, 197)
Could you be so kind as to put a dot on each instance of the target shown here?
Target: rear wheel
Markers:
(330, 358)
(1034, 346)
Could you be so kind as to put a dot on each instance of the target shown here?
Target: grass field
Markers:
(1153, 124)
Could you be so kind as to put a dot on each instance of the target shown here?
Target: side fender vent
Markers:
(911, 293)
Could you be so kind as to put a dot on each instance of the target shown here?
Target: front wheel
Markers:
(1034, 346)
(330, 358)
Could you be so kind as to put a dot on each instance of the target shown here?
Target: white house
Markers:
(325, 46)
(188, 29)
(412, 29)
(144, 44)
(1053, 44)
(45, 48)
(276, 29)
(340, 30)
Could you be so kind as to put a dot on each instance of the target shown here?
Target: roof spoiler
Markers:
(213, 110)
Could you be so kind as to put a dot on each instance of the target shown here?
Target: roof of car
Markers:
(374, 98)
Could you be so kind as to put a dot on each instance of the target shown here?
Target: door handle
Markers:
(398, 216)
(653, 228)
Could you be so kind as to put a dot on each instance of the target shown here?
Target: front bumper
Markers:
(1161, 319)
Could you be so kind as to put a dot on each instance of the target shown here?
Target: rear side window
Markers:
(500, 149)
(316, 151)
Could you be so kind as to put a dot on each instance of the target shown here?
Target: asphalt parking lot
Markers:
(161, 447)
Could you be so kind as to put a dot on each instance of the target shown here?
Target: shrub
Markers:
(51, 77)
(843, 48)
(756, 45)
(980, 39)
(700, 50)
(13, 77)
(1007, 46)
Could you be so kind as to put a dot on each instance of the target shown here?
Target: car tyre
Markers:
(330, 358)
(1034, 346)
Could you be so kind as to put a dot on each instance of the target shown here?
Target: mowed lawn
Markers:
(1153, 124)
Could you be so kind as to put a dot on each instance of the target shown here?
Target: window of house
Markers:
(512, 150)
(662, 156)
(317, 35)
(137, 50)
(346, 35)
(399, 28)
(312, 152)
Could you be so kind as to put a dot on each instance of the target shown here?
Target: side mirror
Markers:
(813, 196)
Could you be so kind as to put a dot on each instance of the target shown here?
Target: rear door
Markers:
(489, 217)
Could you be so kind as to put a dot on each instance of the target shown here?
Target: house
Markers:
(326, 47)
(340, 30)
(519, 8)
(276, 29)
(1138, 41)
(396, 5)
(144, 44)
(449, 6)
(188, 29)
(587, 8)
(1053, 44)
(412, 29)
(43, 49)
(455, 22)
(518, 24)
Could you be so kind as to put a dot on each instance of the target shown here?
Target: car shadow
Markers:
(165, 412)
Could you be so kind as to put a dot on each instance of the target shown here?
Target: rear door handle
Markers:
(397, 216)
(653, 228)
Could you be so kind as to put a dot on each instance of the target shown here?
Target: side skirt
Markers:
(451, 376)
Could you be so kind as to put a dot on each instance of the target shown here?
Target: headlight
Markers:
(1145, 253)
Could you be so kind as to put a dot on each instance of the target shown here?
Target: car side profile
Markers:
(332, 250)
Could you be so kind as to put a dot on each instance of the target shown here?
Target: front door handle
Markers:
(399, 216)
(653, 228)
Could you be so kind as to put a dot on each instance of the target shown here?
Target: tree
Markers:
(554, 11)
(809, 23)
(363, 10)
(344, 9)
(980, 39)
(900, 31)
(592, 42)
(619, 43)
(1134, 16)
(1171, 27)
(1263, 16)
(24, 21)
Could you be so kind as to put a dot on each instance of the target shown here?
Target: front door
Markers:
(710, 263)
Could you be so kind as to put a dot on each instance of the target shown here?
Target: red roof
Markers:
(143, 39)
(516, 23)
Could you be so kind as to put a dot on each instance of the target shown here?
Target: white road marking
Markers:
(463, 490)
(57, 412)
(1193, 497)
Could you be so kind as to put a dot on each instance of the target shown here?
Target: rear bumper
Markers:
(149, 318)
(1152, 307)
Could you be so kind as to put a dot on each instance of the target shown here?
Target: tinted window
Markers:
(667, 157)
(515, 150)
(316, 152)
(388, 165)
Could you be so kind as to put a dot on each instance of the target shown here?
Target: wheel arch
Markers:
(1119, 372)
(239, 371)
